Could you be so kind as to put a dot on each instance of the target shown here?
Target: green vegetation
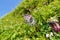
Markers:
(13, 27)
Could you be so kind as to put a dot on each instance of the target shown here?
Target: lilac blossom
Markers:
(29, 19)
(54, 24)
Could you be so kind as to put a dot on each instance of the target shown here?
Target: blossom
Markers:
(54, 24)
(29, 19)
(49, 35)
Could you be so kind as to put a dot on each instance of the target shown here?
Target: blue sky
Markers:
(7, 6)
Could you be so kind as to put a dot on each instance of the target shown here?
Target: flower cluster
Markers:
(29, 19)
(49, 35)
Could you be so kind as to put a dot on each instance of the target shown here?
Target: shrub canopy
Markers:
(13, 27)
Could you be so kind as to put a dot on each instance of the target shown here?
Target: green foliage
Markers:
(13, 27)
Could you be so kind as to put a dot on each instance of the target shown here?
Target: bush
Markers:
(13, 26)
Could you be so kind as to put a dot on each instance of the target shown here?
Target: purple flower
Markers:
(28, 18)
(54, 24)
